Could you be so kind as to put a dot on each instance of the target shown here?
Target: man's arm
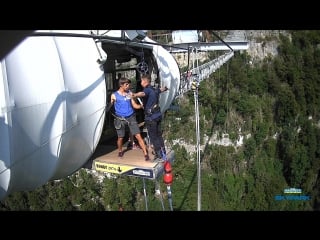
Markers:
(110, 104)
(142, 94)
(138, 94)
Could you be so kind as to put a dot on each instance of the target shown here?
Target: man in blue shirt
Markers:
(124, 106)
(152, 114)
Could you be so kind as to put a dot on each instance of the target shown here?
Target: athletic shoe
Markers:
(146, 157)
(120, 154)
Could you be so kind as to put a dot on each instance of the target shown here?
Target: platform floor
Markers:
(105, 159)
(134, 157)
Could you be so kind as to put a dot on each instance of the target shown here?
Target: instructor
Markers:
(152, 114)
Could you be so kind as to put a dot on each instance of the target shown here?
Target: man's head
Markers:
(145, 80)
(124, 83)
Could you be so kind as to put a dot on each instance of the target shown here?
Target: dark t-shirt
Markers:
(151, 98)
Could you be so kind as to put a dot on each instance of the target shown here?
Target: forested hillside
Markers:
(273, 105)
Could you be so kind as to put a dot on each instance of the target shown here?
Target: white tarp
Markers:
(184, 36)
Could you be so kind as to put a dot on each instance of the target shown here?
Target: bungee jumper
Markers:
(125, 106)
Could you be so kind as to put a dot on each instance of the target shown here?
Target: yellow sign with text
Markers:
(112, 168)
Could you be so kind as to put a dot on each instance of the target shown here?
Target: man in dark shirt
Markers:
(152, 114)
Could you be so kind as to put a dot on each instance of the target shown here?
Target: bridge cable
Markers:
(158, 193)
(195, 88)
(169, 197)
(219, 155)
(226, 127)
(145, 193)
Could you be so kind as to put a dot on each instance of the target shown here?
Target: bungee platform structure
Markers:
(105, 159)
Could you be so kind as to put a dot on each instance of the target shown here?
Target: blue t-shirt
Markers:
(123, 105)
(151, 98)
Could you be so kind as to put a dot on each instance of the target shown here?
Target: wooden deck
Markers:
(132, 163)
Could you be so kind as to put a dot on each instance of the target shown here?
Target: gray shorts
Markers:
(121, 123)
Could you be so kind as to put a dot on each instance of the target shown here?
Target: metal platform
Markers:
(106, 159)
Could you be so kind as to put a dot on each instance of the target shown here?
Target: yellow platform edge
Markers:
(153, 171)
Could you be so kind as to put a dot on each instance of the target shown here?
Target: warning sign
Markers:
(124, 170)
(112, 168)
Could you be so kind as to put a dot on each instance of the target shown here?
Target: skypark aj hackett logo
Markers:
(292, 190)
(293, 196)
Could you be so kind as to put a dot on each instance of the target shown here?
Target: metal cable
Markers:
(145, 193)
(158, 192)
(196, 107)
(169, 197)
